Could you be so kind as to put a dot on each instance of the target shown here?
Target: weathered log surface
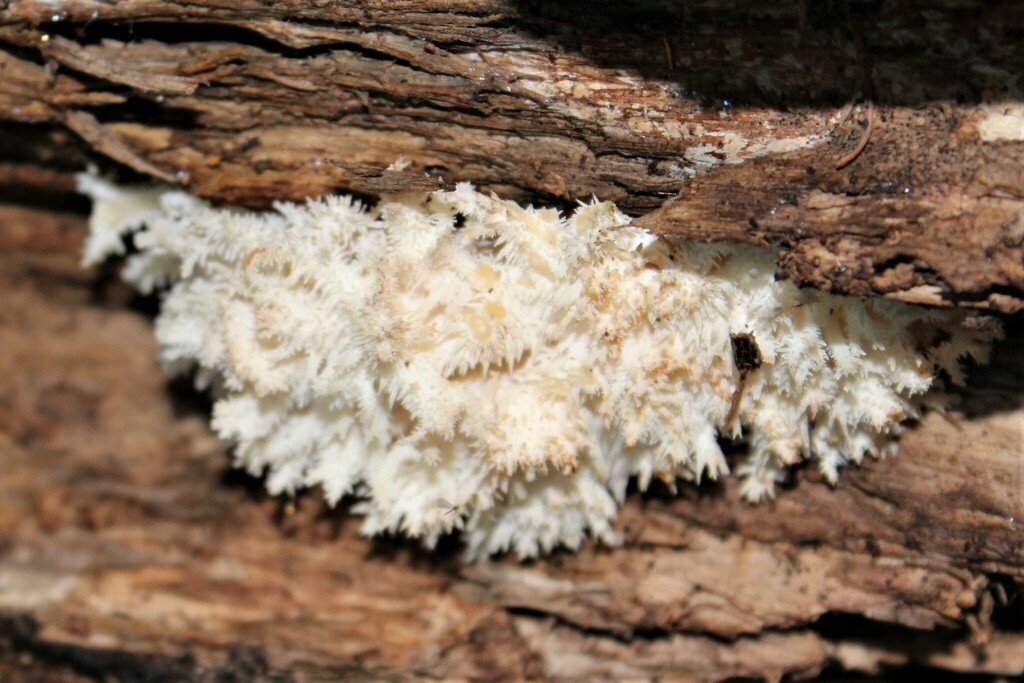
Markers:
(128, 549)
(738, 106)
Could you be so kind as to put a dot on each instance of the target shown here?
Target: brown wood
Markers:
(129, 549)
(246, 102)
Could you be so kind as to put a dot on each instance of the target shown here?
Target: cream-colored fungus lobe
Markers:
(454, 361)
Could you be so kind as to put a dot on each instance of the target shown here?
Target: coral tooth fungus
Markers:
(454, 361)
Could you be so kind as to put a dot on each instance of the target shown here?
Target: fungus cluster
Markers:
(453, 361)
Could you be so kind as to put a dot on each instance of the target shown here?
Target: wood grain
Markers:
(741, 109)
(128, 549)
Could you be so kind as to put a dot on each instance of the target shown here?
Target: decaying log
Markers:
(737, 105)
(879, 147)
(128, 547)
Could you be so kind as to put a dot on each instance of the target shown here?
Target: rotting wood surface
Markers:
(744, 110)
(128, 549)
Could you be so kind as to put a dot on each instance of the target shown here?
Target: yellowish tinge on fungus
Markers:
(454, 361)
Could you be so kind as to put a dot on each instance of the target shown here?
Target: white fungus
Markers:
(454, 361)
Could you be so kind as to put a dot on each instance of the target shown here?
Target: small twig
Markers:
(668, 52)
(865, 136)
(737, 396)
(951, 419)
(746, 355)
(845, 113)
(105, 142)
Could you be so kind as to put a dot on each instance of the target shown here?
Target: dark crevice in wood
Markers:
(21, 632)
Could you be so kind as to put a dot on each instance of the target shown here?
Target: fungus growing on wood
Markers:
(454, 361)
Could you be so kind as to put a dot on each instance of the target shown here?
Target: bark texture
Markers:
(128, 549)
(740, 106)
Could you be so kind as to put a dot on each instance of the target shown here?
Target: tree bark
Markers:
(879, 147)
